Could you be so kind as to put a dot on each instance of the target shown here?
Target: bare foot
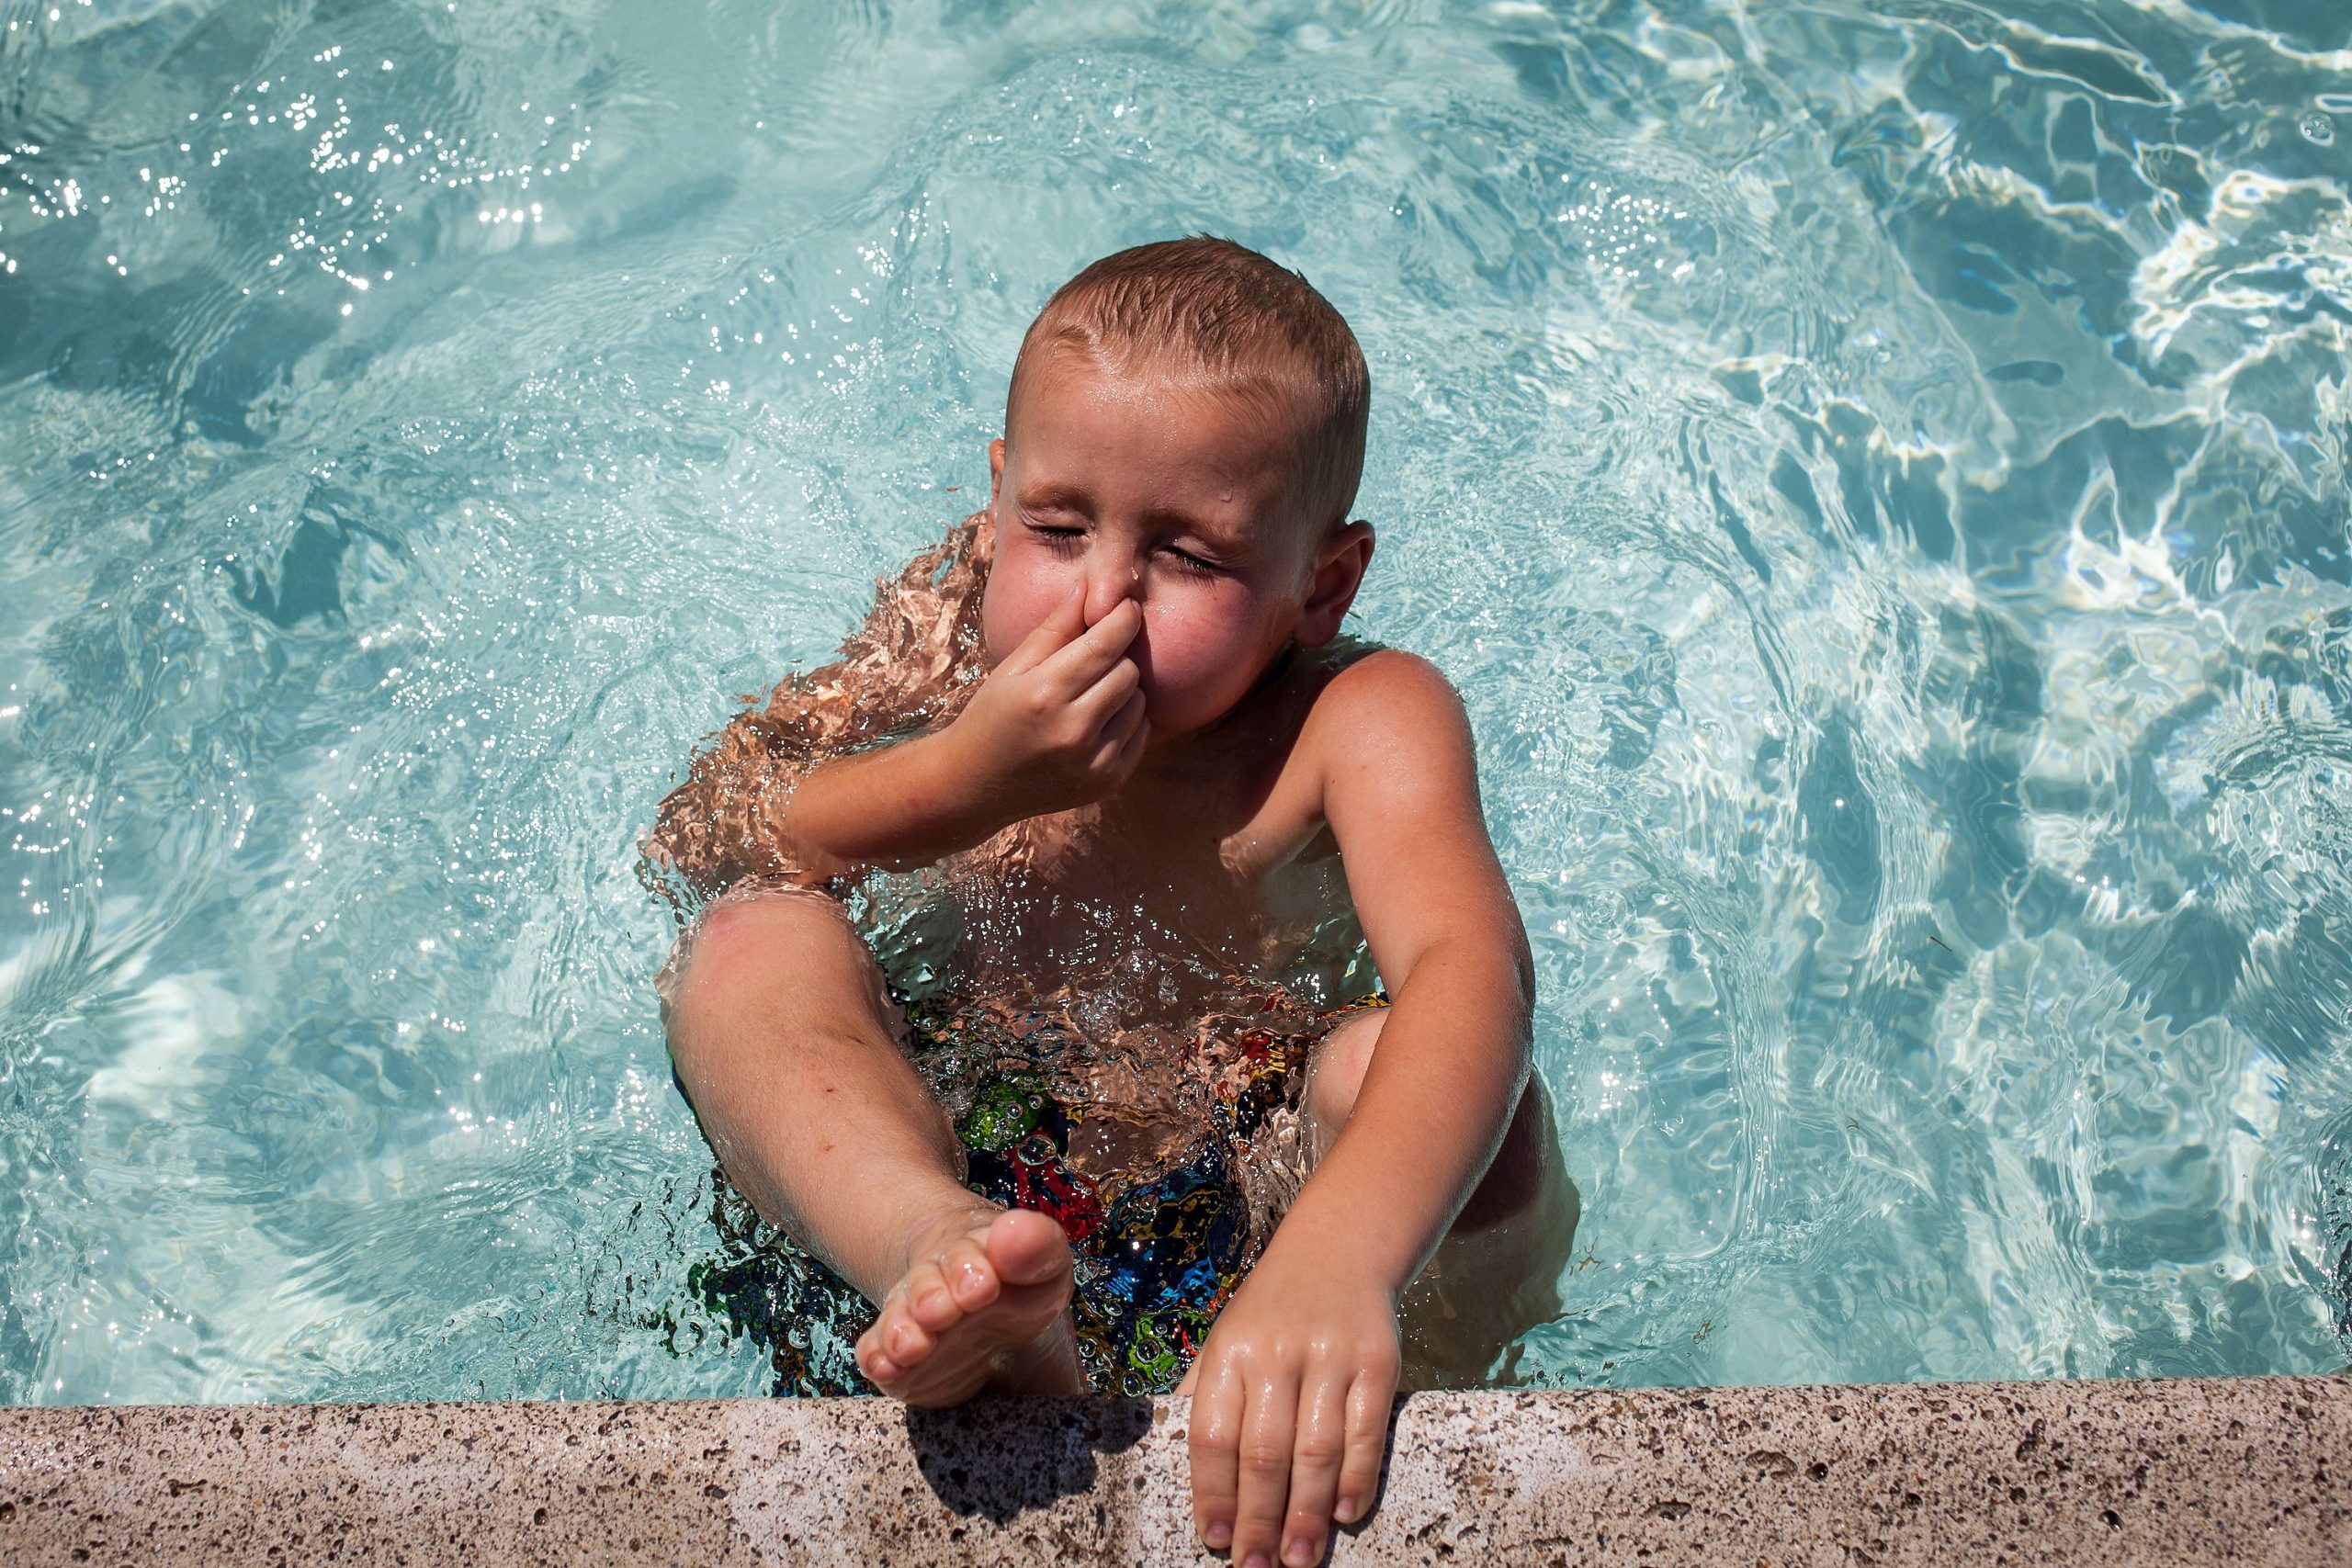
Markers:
(982, 1307)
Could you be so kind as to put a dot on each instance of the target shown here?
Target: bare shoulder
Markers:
(1397, 780)
(1392, 675)
(1383, 703)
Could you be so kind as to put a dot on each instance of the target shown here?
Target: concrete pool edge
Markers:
(2162, 1472)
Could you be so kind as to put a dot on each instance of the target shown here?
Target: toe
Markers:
(1027, 1248)
(872, 1359)
(929, 1301)
(970, 1277)
(903, 1339)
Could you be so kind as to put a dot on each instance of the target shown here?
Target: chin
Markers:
(1175, 720)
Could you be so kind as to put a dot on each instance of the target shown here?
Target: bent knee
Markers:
(1340, 1062)
(1524, 1167)
(743, 935)
(741, 950)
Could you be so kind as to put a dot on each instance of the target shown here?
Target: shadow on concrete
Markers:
(997, 1457)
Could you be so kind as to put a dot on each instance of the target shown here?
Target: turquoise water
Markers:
(1877, 474)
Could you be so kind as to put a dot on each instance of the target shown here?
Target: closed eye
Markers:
(1065, 536)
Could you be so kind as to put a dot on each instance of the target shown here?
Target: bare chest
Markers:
(1212, 864)
(1204, 873)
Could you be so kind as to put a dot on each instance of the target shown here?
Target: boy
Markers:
(1116, 703)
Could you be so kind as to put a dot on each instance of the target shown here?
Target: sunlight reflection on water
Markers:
(1880, 484)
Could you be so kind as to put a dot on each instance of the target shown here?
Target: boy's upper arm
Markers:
(1400, 791)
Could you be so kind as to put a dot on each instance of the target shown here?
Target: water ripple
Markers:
(1877, 474)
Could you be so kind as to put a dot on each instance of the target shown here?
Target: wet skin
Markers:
(1157, 732)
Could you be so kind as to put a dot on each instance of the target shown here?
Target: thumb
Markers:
(1064, 622)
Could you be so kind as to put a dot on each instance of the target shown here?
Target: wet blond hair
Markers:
(1226, 318)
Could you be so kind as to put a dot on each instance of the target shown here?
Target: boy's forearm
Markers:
(1451, 1062)
(748, 811)
(903, 806)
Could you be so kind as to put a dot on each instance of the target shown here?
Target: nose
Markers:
(1113, 572)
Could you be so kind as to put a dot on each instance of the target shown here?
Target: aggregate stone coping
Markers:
(2250, 1470)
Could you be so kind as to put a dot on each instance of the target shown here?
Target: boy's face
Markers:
(1183, 500)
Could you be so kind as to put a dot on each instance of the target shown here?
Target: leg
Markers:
(784, 1039)
(1497, 1274)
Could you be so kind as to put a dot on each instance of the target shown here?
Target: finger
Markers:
(1118, 748)
(1111, 693)
(1064, 620)
(1118, 729)
(1367, 1421)
(1088, 658)
(1130, 751)
(1315, 1459)
(1214, 1444)
(1267, 1439)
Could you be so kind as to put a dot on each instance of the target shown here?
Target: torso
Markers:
(1212, 867)
(1206, 901)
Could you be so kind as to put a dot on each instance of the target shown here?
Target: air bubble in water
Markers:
(2318, 129)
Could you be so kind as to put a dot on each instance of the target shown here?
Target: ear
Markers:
(995, 482)
(1339, 565)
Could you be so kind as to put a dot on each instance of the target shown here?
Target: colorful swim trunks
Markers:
(1156, 1259)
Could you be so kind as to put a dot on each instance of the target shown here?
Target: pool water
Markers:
(1878, 475)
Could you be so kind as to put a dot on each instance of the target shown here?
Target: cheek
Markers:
(1016, 601)
(1177, 647)
(1195, 646)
